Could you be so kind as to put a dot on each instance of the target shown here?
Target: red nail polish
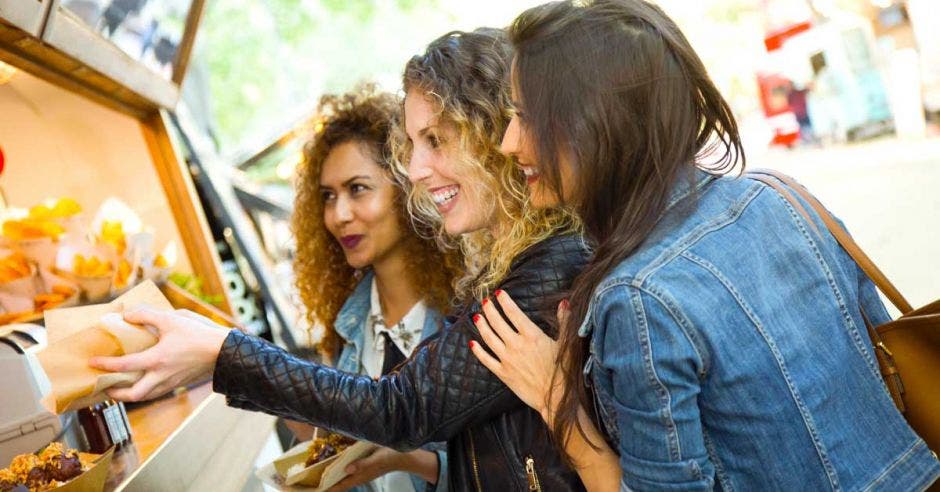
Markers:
(476, 318)
(499, 292)
(565, 304)
(471, 343)
(485, 300)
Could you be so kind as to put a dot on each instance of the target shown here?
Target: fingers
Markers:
(486, 359)
(490, 338)
(141, 361)
(496, 321)
(515, 315)
(563, 313)
(144, 315)
(141, 390)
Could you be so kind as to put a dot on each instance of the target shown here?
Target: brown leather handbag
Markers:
(908, 348)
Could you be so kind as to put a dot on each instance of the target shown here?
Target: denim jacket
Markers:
(350, 322)
(729, 352)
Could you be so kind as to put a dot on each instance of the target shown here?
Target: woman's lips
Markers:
(351, 241)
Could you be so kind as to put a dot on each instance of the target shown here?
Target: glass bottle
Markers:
(94, 425)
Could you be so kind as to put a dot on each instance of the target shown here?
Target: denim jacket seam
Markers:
(662, 393)
(720, 473)
(719, 221)
(894, 464)
(850, 325)
(682, 321)
(808, 420)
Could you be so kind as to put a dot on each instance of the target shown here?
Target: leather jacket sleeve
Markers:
(441, 389)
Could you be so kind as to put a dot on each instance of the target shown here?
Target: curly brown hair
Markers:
(323, 277)
(467, 75)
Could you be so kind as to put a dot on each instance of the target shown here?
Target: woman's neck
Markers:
(397, 293)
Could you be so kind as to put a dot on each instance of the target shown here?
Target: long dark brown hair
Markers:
(613, 89)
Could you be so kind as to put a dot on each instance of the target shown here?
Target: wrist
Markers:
(422, 463)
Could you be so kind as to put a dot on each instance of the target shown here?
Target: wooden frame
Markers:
(28, 15)
(68, 34)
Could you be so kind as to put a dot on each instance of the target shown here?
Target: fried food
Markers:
(91, 266)
(30, 228)
(325, 447)
(13, 267)
(123, 274)
(112, 232)
(62, 208)
(53, 466)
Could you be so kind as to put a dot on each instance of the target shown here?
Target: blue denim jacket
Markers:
(729, 352)
(349, 325)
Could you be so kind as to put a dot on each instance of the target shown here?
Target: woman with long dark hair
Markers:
(725, 340)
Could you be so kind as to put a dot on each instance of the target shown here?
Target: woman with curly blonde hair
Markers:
(456, 109)
(370, 284)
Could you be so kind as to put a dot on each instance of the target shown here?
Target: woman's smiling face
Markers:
(434, 167)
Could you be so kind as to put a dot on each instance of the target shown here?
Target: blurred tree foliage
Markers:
(268, 60)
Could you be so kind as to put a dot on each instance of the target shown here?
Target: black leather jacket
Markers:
(442, 392)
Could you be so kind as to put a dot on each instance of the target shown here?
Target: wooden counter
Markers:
(190, 441)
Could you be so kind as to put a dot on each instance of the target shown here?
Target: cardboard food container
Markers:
(288, 474)
(93, 479)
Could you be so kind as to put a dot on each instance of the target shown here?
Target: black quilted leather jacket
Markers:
(441, 393)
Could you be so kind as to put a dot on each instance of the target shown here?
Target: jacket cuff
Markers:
(442, 476)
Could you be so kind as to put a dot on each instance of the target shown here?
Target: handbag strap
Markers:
(771, 178)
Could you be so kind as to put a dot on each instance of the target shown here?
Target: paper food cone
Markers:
(91, 480)
(76, 334)
(41, 250)
(94, 288)
(323, 475)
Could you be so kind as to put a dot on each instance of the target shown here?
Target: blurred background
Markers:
(842, 94)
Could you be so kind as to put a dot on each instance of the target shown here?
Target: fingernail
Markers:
(471, 344)
(476, 318)
(485, 300)
(499, 292)
(565, 304)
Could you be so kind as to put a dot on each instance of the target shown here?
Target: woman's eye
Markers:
(434, 142)
(327, 196)
(357, 188)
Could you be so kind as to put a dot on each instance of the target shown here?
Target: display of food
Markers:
(52, 255)
(51, 468)
(14, 267)
(91, 266)
(326, 447)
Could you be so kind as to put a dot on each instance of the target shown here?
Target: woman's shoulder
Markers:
(560, 250)
(549, 265)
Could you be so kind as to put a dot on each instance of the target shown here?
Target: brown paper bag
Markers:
(77, 334)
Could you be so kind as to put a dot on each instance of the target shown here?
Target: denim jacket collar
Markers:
(681, 190)
(349, 321)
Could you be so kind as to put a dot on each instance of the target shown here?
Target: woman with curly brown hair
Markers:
(370, 284)
(456, 109)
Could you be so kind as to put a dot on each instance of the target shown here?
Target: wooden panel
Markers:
(190, 221)
(189, 40)
(28, 15)
(65, 32)
(21, 50)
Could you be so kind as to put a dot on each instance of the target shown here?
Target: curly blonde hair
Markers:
(323, 277)
(467, 75)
